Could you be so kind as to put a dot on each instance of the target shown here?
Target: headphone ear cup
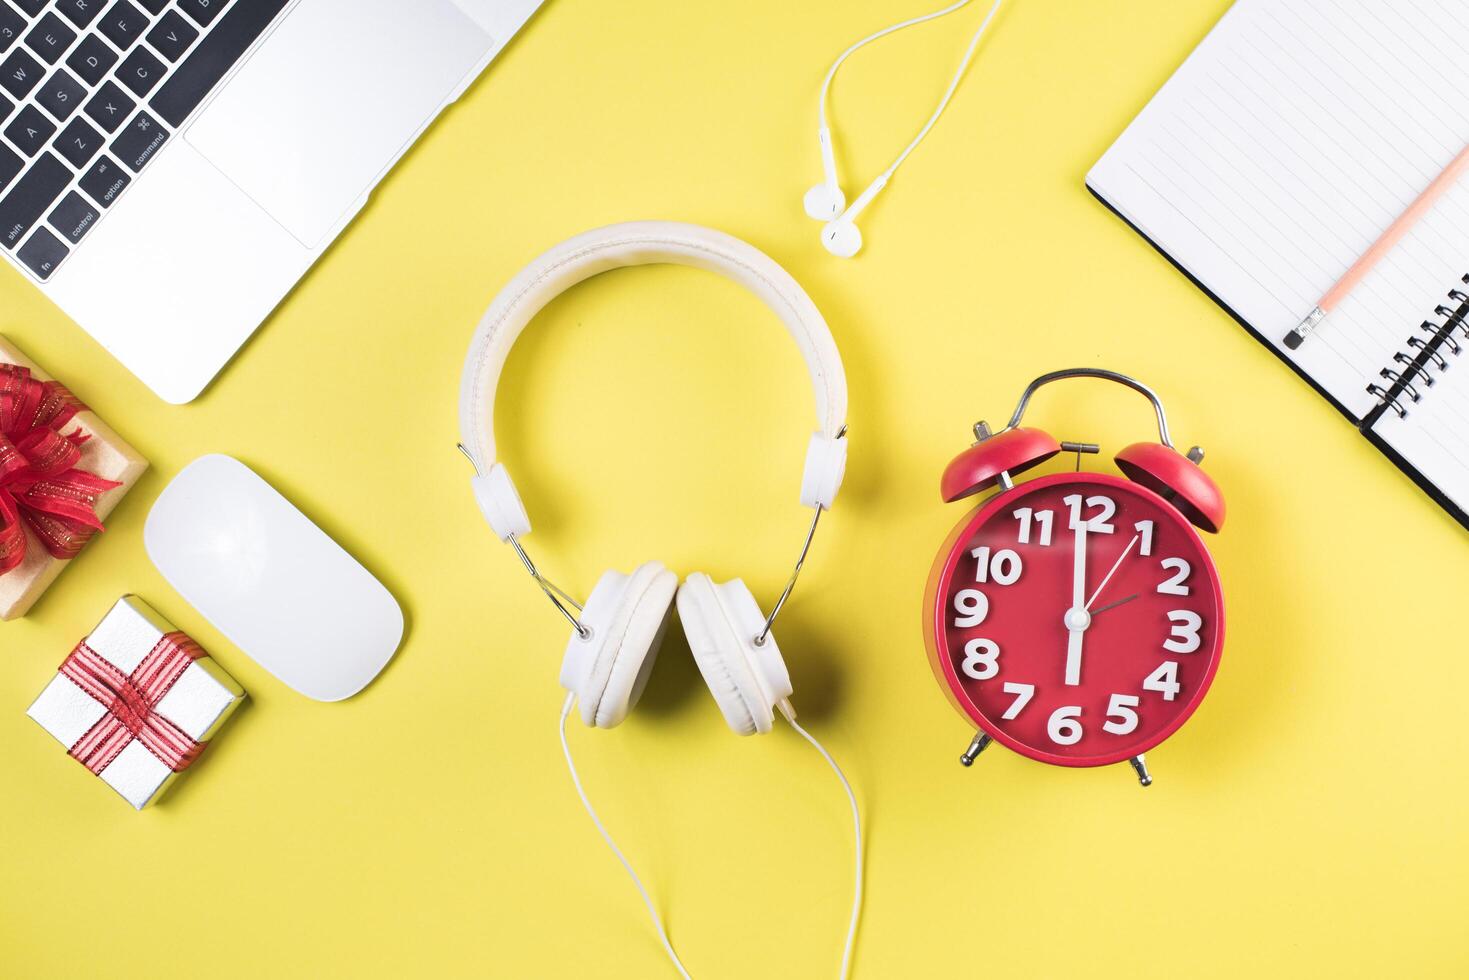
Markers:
(628, 616)
(721, 623)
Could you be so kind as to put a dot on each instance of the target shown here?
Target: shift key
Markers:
(31, 197)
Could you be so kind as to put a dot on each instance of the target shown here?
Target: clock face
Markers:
(1077, 619)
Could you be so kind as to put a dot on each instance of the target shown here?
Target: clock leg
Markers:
(1141, 768)
(980, 743)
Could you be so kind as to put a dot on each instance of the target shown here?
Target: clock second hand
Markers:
(1115, 565)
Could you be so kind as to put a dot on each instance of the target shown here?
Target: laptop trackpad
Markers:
(330, 99)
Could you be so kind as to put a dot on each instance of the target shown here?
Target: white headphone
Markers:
(826, 202)
(615, 636)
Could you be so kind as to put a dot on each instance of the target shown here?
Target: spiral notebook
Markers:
(1293, 135)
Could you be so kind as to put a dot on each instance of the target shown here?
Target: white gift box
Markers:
(137, 702)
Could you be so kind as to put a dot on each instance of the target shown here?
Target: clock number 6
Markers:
(1063, 726)
(1186, 626)
(982, 660)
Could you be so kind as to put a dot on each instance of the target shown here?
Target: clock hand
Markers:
(1115, 565)
(1113, 605)
(1076, 619)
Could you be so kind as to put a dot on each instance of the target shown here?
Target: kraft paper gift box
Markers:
(137, 702)
(104, 454)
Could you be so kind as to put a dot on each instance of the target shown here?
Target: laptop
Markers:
(169, 169)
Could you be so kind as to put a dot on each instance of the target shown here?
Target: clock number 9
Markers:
(981, 659)
(1004, 566)
(972, 607)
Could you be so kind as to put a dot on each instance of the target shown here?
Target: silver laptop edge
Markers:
(261, 177)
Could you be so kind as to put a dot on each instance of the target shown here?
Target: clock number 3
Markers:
(1186, 626)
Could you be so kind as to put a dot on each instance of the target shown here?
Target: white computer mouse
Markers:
(271, 580)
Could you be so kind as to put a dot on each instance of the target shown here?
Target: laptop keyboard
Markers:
(90, 91)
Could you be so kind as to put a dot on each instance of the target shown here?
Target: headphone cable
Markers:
(948, 93)
(648, 901)
(790, 716)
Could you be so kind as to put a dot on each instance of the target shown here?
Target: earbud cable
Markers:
(576, 781)
(948, 93)
(790, 716)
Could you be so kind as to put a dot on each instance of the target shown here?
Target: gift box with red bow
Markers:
(136, 702)
(62, 471)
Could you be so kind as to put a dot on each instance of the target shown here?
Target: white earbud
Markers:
(825, 201)
(842, 237)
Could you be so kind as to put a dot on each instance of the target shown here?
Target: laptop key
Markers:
(74, 217)
(92, 59)
(124, 24)
(11, 25)
(62, 95)
(43, 253)
(32, 7)
(6, 107)
(110, 107)
(20, 73)
(81, 12)
(203, 11)
(141, 71)
(136, 144)
(30, 130)
(197, 74)
(105, 181)
(11, 165)
(154, 6)
(31, 197)
(79, 143)
(50, 38)
(172, 36)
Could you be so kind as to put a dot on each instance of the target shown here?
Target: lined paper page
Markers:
(1285, 145)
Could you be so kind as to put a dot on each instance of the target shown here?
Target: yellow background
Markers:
(1309, 818)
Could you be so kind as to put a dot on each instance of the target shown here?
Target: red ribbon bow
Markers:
(40, 485)
(130, 701)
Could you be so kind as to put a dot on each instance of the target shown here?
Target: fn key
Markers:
(43, 253)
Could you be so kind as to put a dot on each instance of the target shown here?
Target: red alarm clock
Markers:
(1077, 618)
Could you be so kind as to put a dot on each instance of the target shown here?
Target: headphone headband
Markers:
(632, 244)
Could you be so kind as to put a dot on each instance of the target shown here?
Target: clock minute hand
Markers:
(1076, 618)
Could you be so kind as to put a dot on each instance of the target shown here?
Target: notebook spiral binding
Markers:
(1415, 367)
